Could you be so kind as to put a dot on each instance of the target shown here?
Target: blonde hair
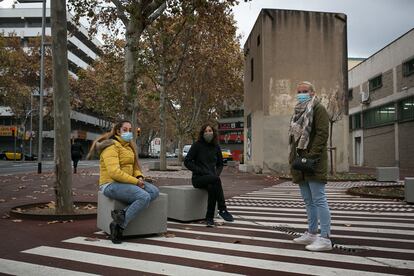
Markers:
(309, 84)
(109, 135)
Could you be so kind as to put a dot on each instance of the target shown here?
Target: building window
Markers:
(258, 40)
(355, 122)
(350, 94)
(378, 116)
(375, 83)
(251, 70)
(408, 67)
(406, 109)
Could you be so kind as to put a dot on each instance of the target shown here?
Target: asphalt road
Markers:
(13, 167)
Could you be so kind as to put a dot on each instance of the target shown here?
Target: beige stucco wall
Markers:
(294, 46)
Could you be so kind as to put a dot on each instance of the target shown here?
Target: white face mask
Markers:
(127, 136)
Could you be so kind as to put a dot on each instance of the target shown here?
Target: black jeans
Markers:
(215, 192)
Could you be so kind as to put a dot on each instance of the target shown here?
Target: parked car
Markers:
(10, 155)
(226, 154)
(186, 149)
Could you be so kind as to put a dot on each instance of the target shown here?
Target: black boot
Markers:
(116, 232)
(74, 170)
(118, 216)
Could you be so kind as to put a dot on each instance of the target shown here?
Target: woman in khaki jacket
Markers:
(309, 131)
(121, 177)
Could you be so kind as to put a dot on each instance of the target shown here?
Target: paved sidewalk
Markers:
(373, 236)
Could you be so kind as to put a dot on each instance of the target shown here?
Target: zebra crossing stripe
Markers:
(121, 262)
(256, 238)
(303, 215)
(227, 259)
(341, 228)
(234, 227)
(334, 221)
(292, 253)
(232, 206)
(362, 202)
(22, 268)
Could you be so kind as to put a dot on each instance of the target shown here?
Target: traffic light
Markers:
(138, 131)
(13, 131)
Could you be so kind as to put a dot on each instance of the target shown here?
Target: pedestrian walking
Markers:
(120, 176)
(308, 136)
(76, 153)
(205, 161)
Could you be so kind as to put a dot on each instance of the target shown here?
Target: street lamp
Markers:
(42, 77)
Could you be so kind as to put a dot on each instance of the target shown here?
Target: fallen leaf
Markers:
(17, 220)
(169, 235)
(348, 225)
(13, 198)
(2, 200)
(91, 239)
(5, 216)
(53, 222)
(22, 187)
(18, 210)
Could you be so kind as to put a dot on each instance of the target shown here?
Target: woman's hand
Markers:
(141, 183)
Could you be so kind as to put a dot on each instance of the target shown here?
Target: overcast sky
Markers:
(372, 24)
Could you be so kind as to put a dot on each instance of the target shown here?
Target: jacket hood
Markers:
(100, 146)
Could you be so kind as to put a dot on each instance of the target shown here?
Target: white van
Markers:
(186, 149)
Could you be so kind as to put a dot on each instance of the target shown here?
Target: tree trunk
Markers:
(163, 127)
(180, 148)
(63, 170)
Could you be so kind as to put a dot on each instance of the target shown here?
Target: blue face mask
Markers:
(302, 97)
(127, 136)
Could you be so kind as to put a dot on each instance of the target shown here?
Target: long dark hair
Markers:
(201, 133)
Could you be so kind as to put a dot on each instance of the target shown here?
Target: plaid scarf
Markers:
(301, 122)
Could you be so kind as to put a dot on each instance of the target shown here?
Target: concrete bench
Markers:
(149, 221)
(185, 203)
(388, 174)
(409, 189)
(246, 168)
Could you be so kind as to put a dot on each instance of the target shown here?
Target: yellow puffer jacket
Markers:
(117, 162)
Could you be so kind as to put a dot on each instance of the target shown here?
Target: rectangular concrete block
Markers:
(152, 220)
(388, 174)
(409, 189)
(246, 168)
(154, 166)
(185, 203)
(232, 163)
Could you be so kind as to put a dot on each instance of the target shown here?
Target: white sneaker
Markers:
(306, 238)
(320, 244)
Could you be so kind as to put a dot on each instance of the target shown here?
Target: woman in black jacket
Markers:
(206, 163)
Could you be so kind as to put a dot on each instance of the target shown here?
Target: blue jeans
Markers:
(135, 197)
(313, 193)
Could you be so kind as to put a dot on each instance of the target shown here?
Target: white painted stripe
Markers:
(362, 202)
(372, 231)
(226, 259)
(119, 262)
(170, 223)
(405, 264)
(371, 218)
(393, 214)
(21, 268)
(289, 241)
(350, 222)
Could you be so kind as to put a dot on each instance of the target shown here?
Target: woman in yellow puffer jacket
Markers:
(121, 177)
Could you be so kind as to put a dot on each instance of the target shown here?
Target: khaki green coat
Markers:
(317, 148)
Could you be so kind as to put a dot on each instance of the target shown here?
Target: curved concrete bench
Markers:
(152, 220)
